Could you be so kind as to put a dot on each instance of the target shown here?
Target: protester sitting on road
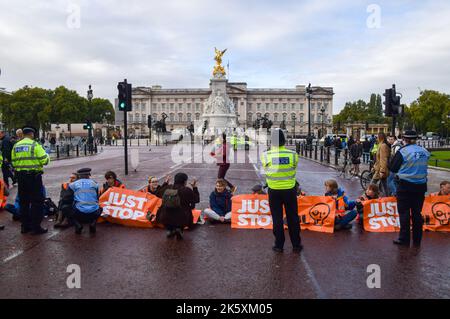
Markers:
(61, 220)
(154, 188)
(258, 189)
(82, 202)
(444, 189)
(3, 198)
(219, 203)
(372, 192)
(345, 209)
(111, 181)
(178, 201)
(14, 209)
(381, 170)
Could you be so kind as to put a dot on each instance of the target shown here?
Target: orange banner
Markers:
(381, 215)
(317, 213)
(251, 211)
(436, 213)
(128, 207)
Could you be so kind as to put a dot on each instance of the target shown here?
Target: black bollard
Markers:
(68, 150)
(57, 151)
(321, 153)
(336, 157)
(315, 152)
(85, 149)
(328, 155)
(78, 151)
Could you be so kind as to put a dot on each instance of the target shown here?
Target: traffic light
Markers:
(388, 102)
(88, 125)
(124, 96)
(149, 121)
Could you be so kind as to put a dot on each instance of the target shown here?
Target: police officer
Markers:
(410, 163)
(280, 165)
(28, 158)
(83, 194)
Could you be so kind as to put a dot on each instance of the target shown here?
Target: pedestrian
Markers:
(178, 201)
(356, 152)
(395, 145)
(372, 192)
(63, 204)
(19, 134)
(280, 166)
(381, 169)
(5, 151)
(410, 164)
(221, 152)
(351, 141)
(219, 204)
(28, 157)
(111, 181)
(444, 189)
(81, 201)
(154, 188)
(52, 142)
(345, 208)
(366, 151)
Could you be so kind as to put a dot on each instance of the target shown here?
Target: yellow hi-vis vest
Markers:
(280, 166)
(29, 155)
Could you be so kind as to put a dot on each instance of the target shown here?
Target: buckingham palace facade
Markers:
(185, 106)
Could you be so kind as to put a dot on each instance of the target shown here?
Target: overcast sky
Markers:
(341, 44)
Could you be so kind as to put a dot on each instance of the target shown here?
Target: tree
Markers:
(430, 111)
(101, 110)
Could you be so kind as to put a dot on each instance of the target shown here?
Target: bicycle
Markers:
(346, 170)
(366, 176)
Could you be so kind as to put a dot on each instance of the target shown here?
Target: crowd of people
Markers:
(79, 196)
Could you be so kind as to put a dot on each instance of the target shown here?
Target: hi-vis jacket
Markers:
(85, 194)
(29, 155)
(280, 166)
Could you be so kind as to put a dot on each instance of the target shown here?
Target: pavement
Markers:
(213, 261)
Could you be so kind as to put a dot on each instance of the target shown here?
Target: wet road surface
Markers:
(213, 261)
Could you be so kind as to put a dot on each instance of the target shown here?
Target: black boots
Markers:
(93, 227)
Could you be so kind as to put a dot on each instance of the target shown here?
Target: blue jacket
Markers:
(220, 202)
(85, 193)
(349, 204)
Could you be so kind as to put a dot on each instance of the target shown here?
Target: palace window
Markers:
(197, 116)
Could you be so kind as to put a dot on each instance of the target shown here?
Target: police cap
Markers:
(28, 130)
(84, 171)
(410, 134)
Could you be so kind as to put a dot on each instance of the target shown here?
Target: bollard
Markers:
(328, 155)
(85, 149)
(302, 146)
(57, 151)
(78, 151)
(68, 150)
(315, 152)
(321, 153)
(336, 157)
(138, 142)
(310, 150)
(147, 142)
(95, 149)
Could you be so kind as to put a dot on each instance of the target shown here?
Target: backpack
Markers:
(171, 199)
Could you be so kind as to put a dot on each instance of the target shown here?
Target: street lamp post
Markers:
(322, 111)
(293, 120)
(309, 96)
(90, 95)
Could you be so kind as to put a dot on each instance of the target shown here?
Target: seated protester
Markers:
(258, 189)
(219, 203)
(178, 201)
(61, 220)
(345, 212)
(444, 189)
(4, 193)
(372, 192)
(83, 198)
(154, 188)
(111, 181)
(14, 209)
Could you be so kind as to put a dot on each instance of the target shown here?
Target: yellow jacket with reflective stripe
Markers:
(29, 155)
(280, 166)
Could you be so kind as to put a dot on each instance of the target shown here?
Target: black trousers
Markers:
(286, 198)
(223, 168)
(74, 214)
(7, 173)
(31, 199)
(409, 206)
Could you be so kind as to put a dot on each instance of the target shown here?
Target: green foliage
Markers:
(40, 107)
(361, 111)
(429, 113)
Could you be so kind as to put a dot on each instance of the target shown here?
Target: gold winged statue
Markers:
(218, 70)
